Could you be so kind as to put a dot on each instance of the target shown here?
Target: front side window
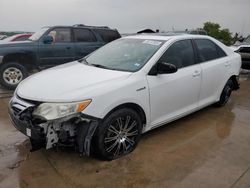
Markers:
(180, 54)
(60, 35)
(208, 50)
(84, 35)
(124, 54)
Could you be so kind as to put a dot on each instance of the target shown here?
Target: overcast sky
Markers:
(125, 15)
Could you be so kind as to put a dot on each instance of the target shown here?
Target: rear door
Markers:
(173, 95)
(60, 51)
(215, 67)
(85, 42)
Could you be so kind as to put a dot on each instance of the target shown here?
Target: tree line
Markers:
(224, 35)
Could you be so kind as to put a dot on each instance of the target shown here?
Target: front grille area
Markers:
(36, 103)
(16, 110)
(19, 106)
(20, 112)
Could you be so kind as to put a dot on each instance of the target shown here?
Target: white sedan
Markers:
(103, 103)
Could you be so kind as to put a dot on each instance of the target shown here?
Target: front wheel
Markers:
(226, 93)
(119, 134)
(11, 74)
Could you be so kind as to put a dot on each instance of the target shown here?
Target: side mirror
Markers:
(163, 68)
(166, 68)
(48, 39)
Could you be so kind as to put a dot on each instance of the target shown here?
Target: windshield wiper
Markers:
(101, 66)
(94, 65)
(83, 60)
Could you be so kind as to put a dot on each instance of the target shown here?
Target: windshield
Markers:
(38, 34)
(124, 54)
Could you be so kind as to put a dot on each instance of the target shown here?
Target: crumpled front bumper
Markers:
(38, 135)
(27, 128)
(35, 133)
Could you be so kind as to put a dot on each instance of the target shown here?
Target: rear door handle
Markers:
(196, 73)
(68, 47)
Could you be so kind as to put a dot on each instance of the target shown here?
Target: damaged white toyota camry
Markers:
(102, 103)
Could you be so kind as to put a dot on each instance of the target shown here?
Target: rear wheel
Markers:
(11, 74)
(226, 93)
(119, 134)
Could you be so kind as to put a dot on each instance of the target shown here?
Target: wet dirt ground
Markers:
(210, 148)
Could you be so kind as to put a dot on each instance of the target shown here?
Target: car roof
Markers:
(80, 26)
(165, 36)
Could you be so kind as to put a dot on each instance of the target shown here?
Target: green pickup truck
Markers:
(51, 46)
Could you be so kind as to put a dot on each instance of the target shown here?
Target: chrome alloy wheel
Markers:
(121, 136)
(12, 75)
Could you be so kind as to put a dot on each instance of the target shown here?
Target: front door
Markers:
(173, 95)
(60, 51)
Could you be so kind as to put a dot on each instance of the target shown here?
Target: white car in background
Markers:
(244, 50)
(105, 101)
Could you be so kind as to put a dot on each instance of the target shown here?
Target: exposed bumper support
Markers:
(84, 137)
(236, 83)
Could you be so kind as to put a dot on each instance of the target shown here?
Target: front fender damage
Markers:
(84, 137)
(78, 134)
(75, 132)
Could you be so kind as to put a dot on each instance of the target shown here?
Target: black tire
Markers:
(226, 93)
(109, 134)
(11, 74)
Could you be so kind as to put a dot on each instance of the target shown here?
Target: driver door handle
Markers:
(196, 73)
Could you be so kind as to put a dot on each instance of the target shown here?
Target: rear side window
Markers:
(84, 35)
(108, 35)
(180, 54)
(208, 50)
